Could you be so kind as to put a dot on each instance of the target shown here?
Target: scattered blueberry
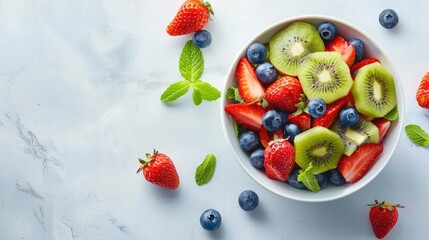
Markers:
(202, 39)
(210, 220)
(335, 177)
(316, 107)
(388, 18)
(257, 158)
(248, 200)
(249, 141)
(349, 117)
(290, 131)
(266, 73)
(359, 48)
(256, 53)
(293, 180)
(322, 180)
(272, 120)
(327, 30)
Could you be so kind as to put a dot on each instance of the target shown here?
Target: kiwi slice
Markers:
(325, 75)
(352, 137)
(319, 146)
(374, 90)
(291, 44)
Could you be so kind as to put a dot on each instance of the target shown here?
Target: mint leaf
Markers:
(393, 114)
(417, 135)
(196, 96)
(238, 130)
(174, 91)
(191, 63)
(205, 170)
(207, 91)
(309, 179)
(233, 93)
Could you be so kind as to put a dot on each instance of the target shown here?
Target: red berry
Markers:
(249, 87)
(382, 125)
(247, 115)
(422, 94)
(338, 44)
(362, 63)
(279, 159)
(266, 137)
(332, 112)
(302, 120)
(383, 217)
(192, 16)
(160, 170)
(285, 93)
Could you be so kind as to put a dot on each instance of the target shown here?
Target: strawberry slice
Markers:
(249, 87)
(332, 112)
(279, 159)
(266, 137)
(247, 115)
(302, 120)
(382, 125)
(357, 165)
(338, 44)
(362, 63)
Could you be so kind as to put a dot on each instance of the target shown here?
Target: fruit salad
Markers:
(310, 108)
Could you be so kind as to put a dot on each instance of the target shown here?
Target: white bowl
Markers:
(372, 49)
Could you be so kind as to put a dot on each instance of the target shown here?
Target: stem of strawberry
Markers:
(385, 204)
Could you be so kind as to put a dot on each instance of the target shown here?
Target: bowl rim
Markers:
(399, 96)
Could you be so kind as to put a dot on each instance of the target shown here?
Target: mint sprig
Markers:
(191, 67)
(417, 135)
(309, 179)
(205, 170)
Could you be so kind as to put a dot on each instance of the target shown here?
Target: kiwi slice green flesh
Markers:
(374, 90)
(352, 137)
(291, 44)
(319, 146)
(325, 75)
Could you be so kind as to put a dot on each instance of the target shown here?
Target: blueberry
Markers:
(257, 158)
(256, 53)
(359, 48)
(322, 180)
(291, 130)
(284, 116)
(335, 177)
(249, 141)
(349, 117)
(293, 180)
(316, 107)
(272, 120)
(202, 39)
(248, 200)
(327, 30)
(210, 220)
(388, 18)
(266, 73)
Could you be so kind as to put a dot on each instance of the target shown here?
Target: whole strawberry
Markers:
(192, 16)
(383, 217)
(279, 159)
(285, 93)
(160, 170)
(422, 94)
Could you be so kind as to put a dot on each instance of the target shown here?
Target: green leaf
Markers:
(309, 179)
(238, 130)
(196, 96)
(191, 63)
(417, 135)
(233, 93)
(393, 114)
(205, 170)
(174, 91)
(207, 91)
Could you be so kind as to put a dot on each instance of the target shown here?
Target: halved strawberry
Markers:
(338, 44)
(332, 112)
(266, 137)
(302, 120)
(362, 63)
(382, 125)
(249, 87)
(357, 165)
(285, 93)
(279, 159)
(247, 115)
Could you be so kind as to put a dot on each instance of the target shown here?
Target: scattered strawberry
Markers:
(279, 159)
(357, 165)
(422, 94)
(332, 112)
(192, 16)
(247, 115)
(285, 93)
(383, 217)
(160, 170)
(249, 87)
(362, 63)
(338, 44)
(266, 137)
(382, 125)
(302, 120)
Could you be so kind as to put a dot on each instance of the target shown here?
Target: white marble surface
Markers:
(79, 103)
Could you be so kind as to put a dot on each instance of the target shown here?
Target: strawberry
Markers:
(382, 125)
(192, 16)
(357, 165)
(302, 120)
(279, 159)
(249, 87)
(160, 170)
(422, 94)
(338, 44)
(383, 217)
(247, 115)
(285, 93)
(332, 112)
(266, 137)
(362, 63)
